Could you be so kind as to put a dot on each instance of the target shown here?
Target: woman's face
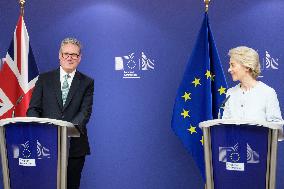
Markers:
(237, 70)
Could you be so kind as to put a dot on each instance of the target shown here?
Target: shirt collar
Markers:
(62, 73)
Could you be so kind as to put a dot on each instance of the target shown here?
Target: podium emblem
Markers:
(232, 157)
(27, 155)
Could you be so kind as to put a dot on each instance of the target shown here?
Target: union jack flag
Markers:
(18, 74)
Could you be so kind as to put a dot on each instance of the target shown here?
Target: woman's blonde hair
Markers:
(248, 57)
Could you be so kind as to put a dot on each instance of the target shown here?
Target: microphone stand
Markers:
(16, 104)
(222, 106)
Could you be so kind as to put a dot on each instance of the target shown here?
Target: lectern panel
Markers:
(32, 155)
(239, 156)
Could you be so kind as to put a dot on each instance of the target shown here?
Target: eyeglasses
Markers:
(74, 56)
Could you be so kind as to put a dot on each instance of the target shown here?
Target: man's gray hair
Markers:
(71, 40)
(248, 57)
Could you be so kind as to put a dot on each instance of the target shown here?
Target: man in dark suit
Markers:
(66, 94)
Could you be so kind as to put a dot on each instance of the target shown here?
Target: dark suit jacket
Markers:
(46, 102)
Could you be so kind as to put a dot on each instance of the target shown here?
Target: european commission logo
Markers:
(133, 66)
(232, 157)
(24, 153)
(270, 62)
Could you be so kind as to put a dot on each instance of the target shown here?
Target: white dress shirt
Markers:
(69, 80)
(258, 103)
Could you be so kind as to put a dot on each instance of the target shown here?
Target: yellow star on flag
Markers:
(202, 140)
(192, 129)
(185, 113)
(222, 90)
(208, 74)
(186, 96)
(196, 82)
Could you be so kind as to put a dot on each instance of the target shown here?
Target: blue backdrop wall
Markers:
(132, 143)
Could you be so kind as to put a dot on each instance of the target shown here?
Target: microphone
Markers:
(222, 106)
(16, 104)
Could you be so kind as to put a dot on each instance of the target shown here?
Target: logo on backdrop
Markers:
(24, 153)
(270, 62)
(232, 157)
(133, 66)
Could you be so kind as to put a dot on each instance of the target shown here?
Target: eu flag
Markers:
(200, 94)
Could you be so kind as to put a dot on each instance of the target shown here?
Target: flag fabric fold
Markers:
(18, 74)
(200, 94)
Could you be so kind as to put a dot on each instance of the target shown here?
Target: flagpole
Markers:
(22, 5)
(206, 186)
(206, 5)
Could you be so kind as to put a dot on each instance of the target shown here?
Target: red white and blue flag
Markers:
(18, 74)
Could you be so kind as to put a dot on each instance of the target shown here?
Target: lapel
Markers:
(57, 87)
(74, 86)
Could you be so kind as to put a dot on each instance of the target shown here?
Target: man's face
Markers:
(69, 57)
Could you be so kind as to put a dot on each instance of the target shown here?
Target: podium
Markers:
(240, 154)
(34, 152)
